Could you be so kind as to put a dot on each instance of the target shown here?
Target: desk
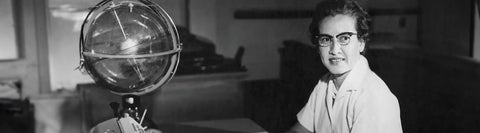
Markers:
(238, 125)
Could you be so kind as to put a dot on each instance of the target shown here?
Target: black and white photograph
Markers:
(240, 66)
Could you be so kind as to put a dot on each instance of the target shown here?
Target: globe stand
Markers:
(131, 106)
(130, 119)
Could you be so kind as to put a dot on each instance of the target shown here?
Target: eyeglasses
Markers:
(324, 40)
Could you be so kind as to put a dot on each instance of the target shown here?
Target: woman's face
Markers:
(339, 59)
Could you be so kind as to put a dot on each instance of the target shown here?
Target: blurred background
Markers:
(243, 59)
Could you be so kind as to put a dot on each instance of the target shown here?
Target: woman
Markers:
(350, 98)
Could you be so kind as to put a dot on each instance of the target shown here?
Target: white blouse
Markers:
(363, 104)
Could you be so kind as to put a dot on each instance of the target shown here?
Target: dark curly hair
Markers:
(347, 7)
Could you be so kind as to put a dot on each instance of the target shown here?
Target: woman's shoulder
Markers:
(375, 88)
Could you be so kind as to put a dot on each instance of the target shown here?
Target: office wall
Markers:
(262, 37)
(446, 26)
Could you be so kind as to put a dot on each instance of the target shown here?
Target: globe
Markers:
(129, 46)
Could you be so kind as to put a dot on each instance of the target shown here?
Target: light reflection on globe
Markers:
(129, 46)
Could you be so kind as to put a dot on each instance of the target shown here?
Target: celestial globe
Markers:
(129, 46)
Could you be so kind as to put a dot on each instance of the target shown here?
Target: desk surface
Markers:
(239, 125)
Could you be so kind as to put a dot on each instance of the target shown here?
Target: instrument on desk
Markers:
(130, 121)
(121, 125)
(125, 124)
